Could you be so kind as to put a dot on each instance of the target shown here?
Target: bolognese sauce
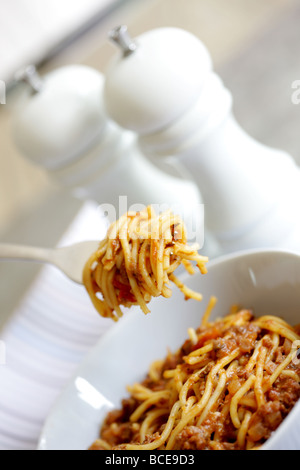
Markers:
(228, 387)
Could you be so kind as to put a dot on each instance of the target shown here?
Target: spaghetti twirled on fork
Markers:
(136, 261)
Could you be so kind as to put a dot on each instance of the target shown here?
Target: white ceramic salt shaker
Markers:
(164, 89)
(62, 127)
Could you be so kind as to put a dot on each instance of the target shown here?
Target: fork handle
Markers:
(22, 252)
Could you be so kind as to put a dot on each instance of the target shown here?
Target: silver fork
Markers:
(70, 260)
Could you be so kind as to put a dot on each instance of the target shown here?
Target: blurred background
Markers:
(254, 46)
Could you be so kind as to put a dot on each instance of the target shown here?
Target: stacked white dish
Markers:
(45, 339)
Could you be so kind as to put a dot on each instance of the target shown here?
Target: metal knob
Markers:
(122, 39)
(30, 76)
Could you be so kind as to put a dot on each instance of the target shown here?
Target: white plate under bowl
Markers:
(268, 281)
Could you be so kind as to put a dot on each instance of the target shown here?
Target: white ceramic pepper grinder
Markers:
(166, 91)
(62, 127)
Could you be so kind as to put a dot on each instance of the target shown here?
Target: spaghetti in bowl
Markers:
(266, 281)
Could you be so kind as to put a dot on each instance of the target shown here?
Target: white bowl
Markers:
(268, 281)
